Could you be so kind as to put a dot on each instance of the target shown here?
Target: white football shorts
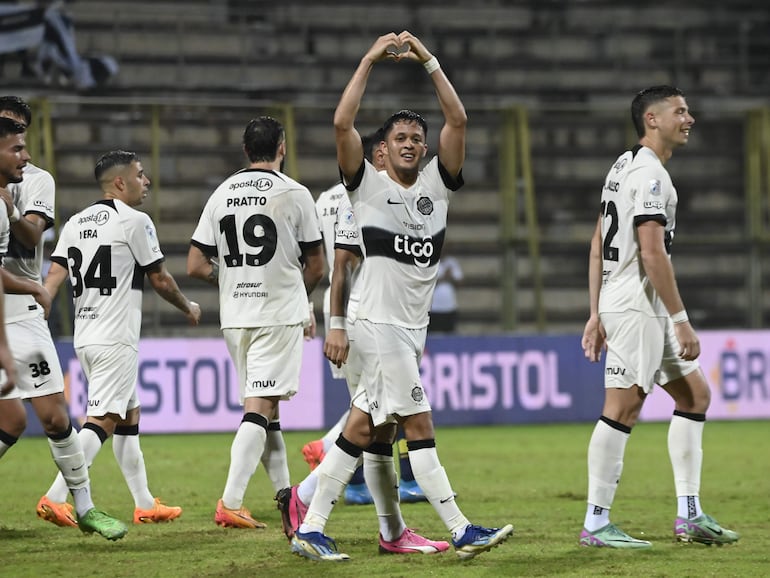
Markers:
(112, 372)
(642, 350)
(38, 371)
(390, 371)
(267, 359)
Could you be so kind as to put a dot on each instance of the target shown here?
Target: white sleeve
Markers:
(143, 240)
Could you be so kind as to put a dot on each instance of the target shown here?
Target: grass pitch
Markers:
(531, 476)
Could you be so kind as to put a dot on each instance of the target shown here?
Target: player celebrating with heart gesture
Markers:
(401, 214)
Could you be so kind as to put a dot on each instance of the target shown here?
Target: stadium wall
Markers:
(189, 385)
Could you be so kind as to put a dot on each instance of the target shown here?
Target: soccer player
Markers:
(341, 350)
(28, 196)
(636, 312)
(259, 240)
(327, 207)
(401, 215)
(106, 250)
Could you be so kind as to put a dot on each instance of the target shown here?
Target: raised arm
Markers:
(451, 144)
(350, 152)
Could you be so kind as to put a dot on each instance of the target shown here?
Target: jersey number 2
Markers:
(259, 232)
(610, 210)
(98, 275)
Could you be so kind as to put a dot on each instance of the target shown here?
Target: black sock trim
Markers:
(127, 430)
(615, 424)
(692, 416)
(380, 449)
(256, 418)
(7, 438)
(61, 435)
(420, 444)
(97, 429)
(349, 447)
(274, 426)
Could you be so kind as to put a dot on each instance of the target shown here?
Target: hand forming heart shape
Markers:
(398, 50)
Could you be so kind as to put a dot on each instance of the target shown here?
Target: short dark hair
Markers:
(645, 98)
(372, 141)
(9, 126)
(261, 139)
(17, 107)
(406, 116)
(113, 159)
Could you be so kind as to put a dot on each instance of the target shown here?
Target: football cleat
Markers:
(412, 543)
(313, 452)
(610, 536)
(478, 539)
(292, 510)
(358, 495)
(316, 546)
(158, 513)
(103, 524)
(705, 530)
(240, 518)
(410, 492)
(60, 514)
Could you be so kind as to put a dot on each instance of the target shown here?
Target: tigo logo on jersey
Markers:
(421, 250)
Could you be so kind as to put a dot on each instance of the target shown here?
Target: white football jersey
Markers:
(348, 237)
(637, 189)
(256, 223)
(326, 209)
(107, 247)
(35, 194)
(402, 234)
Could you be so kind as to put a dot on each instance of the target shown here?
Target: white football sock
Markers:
(382, 481)
(128, 454)
(334, 473)
(331, 436)
(605, 465)
(306, 488)
(245, 453)
(71, 461)
(274, 459)
(91, 444)
(685, 437)
(432, 478)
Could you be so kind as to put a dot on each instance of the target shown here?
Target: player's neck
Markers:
(404, 178)
(662, 151)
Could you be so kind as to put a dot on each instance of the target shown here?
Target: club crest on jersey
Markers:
(417, 394)
(424, 205)
(655, 187)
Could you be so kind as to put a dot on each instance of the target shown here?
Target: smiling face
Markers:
(672, 121)
(405, 146)
(13, 158)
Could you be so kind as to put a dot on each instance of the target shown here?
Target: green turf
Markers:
(531, 476)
